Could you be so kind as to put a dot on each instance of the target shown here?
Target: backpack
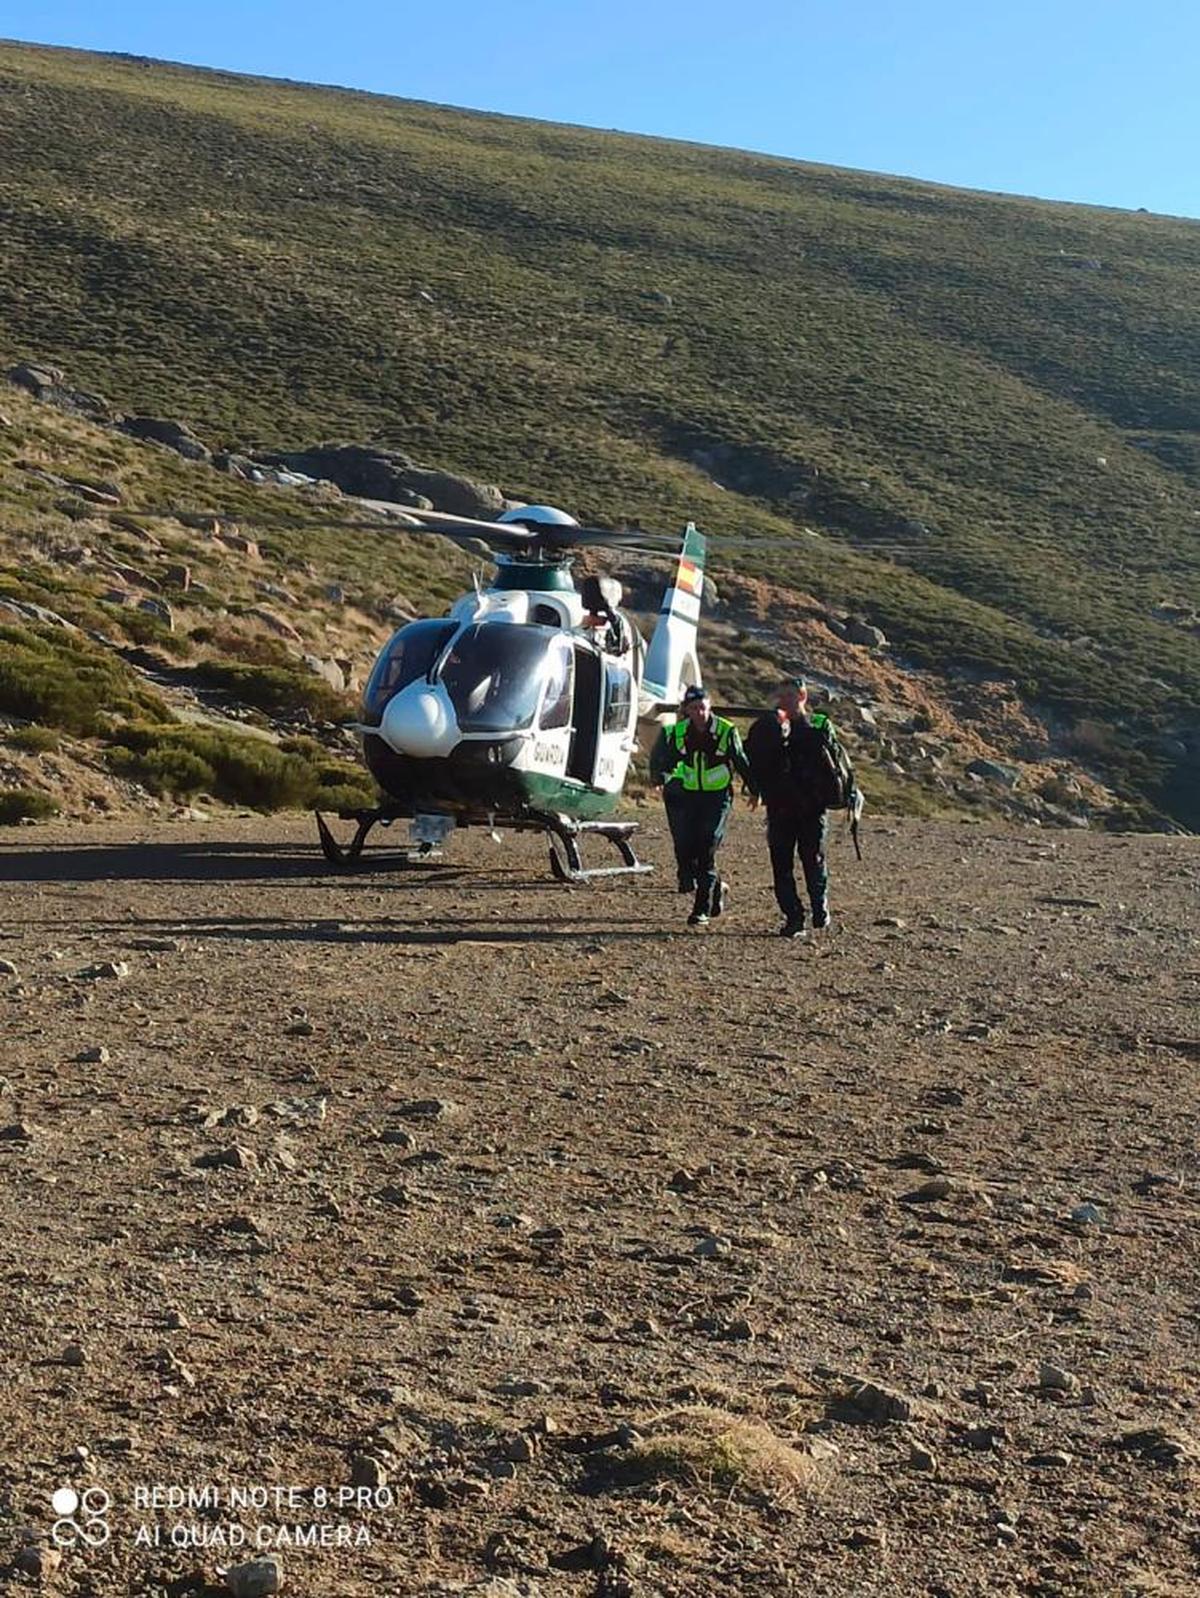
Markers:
(821, 767)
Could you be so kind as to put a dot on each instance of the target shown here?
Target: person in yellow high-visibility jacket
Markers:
(694, 762)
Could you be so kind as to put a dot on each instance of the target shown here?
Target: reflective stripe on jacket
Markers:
(698, 772)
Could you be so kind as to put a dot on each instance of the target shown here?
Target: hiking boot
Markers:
(721, 898)
(794, 928)
(698, 918)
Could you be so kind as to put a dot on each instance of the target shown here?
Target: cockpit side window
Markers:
(556, 706)
(409, 654)
(618, 698)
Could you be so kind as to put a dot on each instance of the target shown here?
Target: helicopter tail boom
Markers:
(671, 661)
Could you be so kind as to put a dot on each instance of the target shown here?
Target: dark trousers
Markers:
(803, 835)
(697, 822)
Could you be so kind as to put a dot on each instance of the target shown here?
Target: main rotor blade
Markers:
(631, 538)
(719, 541)
(515, 536)
(511, 539)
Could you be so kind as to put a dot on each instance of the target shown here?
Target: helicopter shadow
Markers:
(221, 861)
(426, 932)
(156, 862)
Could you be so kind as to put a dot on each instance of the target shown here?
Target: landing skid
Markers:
(566, 835)
(566, 861)
(344, 856)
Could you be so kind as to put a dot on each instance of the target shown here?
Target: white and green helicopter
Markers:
(520, 707)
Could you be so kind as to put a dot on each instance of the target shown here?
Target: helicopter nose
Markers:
(420, 721)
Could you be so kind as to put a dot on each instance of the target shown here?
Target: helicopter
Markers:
(519, 707)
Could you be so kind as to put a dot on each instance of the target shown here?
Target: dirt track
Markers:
(518, 1171)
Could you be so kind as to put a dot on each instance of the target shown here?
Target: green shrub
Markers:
(343, 796)
(140, 627)
(234, 767)
(275, 689)
(308, 748)
(25, 804)
(167, 769)
(34, 740)
(249, 648)
(59, 680)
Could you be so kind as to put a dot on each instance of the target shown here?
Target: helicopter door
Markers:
(581, 762)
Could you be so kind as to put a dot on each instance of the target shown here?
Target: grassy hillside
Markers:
(1004, 394)
(170, 653)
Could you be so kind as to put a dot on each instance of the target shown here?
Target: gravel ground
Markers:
(453, 1231)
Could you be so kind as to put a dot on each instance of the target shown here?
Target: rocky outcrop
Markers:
(858, 631)
(355, 468)
(25, 611)
(331, 671)
(275, 624)
(175, 435)
(995, 771)
(159, 609)
(461, 496)
(48, 383)
(351, 468)
(388, 474)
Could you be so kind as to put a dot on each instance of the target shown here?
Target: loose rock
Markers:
(235, 1158)
(38, 1561)
(1053, 1379)
(367, 1471)
(259, 1578)
(872, 1402)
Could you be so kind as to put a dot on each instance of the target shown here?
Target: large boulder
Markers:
(175, 435)
(160, 610)
(234, 465)
(23, 610)
(355, 468)
(330, 671)
(388, 474)
(34, 379)
(995, 771)
(275, 624)
(48, 383)
(861, 632)
(460, 496)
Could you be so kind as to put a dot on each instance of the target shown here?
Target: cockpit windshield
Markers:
(408, 654)
(494, 674)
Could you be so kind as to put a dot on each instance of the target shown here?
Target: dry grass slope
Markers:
(1003, 393)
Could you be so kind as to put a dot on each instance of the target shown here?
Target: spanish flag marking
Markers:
(689, 577)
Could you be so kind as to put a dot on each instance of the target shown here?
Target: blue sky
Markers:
(1094, 102)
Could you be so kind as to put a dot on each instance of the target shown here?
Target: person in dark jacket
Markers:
(784, 748)
(693, 762)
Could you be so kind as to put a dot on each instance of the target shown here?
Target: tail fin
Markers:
(671, 660)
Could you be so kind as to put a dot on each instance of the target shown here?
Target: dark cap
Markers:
(694, 694)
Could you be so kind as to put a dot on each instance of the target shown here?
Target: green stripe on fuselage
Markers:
(564, 797)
